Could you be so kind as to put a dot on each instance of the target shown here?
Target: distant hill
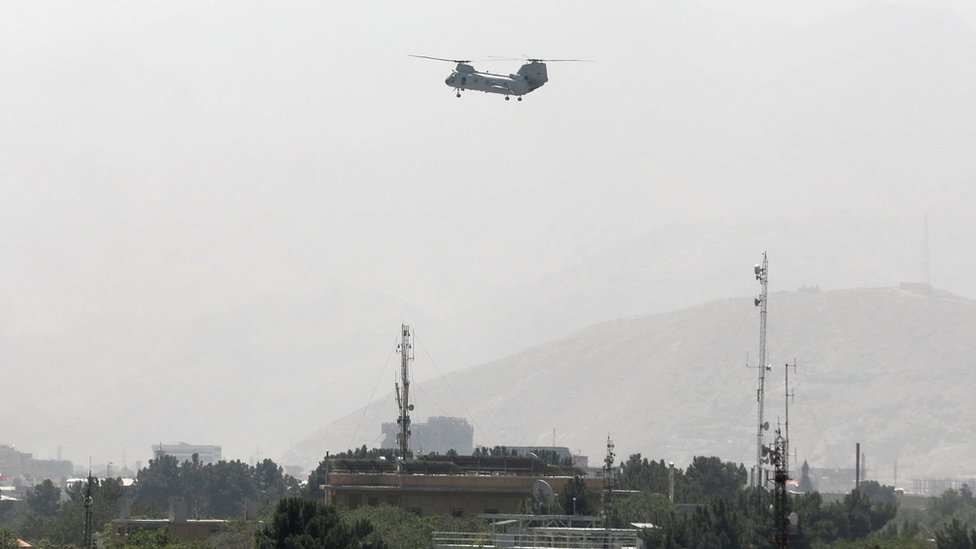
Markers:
(884, 367)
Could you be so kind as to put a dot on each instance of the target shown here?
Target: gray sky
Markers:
(169, 168)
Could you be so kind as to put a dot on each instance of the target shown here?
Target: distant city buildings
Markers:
(206, 453)
(438, 435)
(16, 466)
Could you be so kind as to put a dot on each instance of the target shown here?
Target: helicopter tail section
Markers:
(535, 74)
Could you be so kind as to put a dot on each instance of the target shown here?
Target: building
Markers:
(15, 465)
(437, 435)
(562, 453)
(206, 454)
(187, 530)
(457, 485)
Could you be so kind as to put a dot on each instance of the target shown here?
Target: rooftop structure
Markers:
(458, 485)
(182, 451)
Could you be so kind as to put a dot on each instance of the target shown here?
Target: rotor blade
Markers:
(560, 60)
(440, 58)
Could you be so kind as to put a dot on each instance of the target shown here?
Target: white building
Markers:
(182, 451)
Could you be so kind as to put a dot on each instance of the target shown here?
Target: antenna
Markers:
(405, 348)
(789, 397)
(762, 275)
(608, 470)
(88, 541)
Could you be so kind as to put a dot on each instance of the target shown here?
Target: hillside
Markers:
(877, 366)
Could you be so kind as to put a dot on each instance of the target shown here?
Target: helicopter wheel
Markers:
(519, 98)
(458, 95)
(507, 98)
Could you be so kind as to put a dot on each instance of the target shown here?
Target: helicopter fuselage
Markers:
(530, 77)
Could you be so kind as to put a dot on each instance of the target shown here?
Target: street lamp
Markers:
(574, 505)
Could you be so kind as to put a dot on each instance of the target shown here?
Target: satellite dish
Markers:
(765, 426)
(794, 518)
(542, 494)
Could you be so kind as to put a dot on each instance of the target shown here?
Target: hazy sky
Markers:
(166, 165)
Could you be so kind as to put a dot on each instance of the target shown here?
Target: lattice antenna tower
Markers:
(762, 275)
(789, 398)
(405, 348)
(608, 478)
(89, 500)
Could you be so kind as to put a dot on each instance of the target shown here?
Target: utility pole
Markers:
(762, 275)
(405, 348)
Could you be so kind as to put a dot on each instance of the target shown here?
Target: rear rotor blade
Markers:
(440, 58)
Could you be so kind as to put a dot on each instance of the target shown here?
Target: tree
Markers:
(308, 524)
(575, 498)
(44, 499)
(879, 493)
(710, 477)
(954, 535)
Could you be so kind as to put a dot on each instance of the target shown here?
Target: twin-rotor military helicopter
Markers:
(530, 76)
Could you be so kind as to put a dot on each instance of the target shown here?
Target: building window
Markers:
(457, 513)
(373, 502)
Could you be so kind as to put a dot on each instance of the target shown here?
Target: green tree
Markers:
(66, 527)
(710, 477)
(155, 539)
(44, 499)
(307, 524)
(954, 535)
(317, 479)
(878, 492)
(8, 539)
(576, 499)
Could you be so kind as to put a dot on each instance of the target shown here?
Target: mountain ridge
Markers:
(674, 385)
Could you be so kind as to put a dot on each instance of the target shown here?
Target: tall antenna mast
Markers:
(789, 396)
(88, 541)
(405, 348)
(608, 481)
(762, 275)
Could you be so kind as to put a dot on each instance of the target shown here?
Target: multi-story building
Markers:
(457, 486)
(182, 451)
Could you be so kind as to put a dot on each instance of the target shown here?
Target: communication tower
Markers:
(405, 348)
(608, 478)
(762, 275)
(88, 538)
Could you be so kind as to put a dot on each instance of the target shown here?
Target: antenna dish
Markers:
(542, 493)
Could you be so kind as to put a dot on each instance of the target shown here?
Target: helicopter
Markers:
(530, 76)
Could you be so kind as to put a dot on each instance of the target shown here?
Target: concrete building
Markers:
(458, 486)
(182, 451)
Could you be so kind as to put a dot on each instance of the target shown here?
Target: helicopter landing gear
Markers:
(519, 98)
(458, 95)
(507, 98)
